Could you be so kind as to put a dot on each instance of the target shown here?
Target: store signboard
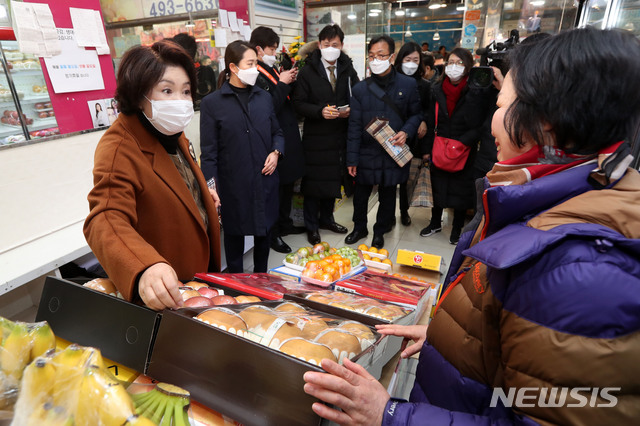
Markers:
(126, 10)
(75, 69)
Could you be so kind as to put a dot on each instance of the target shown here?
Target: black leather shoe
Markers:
(279, 245)
(378, 241)
(335, 227)
(292, 230)
(355, 236)
(313, 237)
(405, 219)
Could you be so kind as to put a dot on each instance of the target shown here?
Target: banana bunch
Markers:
(73, 387)
(20, 343)
(165, 405)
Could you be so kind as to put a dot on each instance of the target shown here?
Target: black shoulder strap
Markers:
(380, 94)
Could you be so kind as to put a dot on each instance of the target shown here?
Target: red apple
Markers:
(208, 292)
(195, 284)
(198, 302)
(223, 300)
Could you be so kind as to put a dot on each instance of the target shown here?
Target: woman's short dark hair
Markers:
(582, 83)
(142, 67)
(330, 32)
(428, 61)
(233, 55)
(407, 49)
(264, 37)
(386, 39)
(465, 56)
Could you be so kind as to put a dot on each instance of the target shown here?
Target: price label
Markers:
(153, 8)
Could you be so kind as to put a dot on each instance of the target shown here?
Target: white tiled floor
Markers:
(404, 237)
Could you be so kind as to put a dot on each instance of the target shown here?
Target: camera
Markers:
(494, 55)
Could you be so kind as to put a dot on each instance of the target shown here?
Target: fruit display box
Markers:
(384, 349)
(124, 332)
(242, 379)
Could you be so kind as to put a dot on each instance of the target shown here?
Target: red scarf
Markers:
(453, 93)
(541, 161)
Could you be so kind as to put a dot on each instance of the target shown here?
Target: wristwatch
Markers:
(277, 152)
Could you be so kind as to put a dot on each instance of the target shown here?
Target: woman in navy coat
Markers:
(241, 142)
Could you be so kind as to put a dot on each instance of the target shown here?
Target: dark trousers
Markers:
(284, 210)
(314, 207)
(458, 217)
(404, 198)
(386, 210)
(234, 251)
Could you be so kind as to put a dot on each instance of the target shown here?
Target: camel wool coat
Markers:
(142, 212)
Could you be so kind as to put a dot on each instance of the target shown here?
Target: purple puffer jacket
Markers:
(548, 296)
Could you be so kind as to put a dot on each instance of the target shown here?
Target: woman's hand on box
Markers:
(349, 387)
(416, 333)
(158, 287)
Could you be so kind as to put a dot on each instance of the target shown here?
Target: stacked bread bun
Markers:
(104, 285)
(294, 330)
(363, 305)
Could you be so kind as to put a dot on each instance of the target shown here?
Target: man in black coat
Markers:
(394, 96)
(321, 96)
(291, 165)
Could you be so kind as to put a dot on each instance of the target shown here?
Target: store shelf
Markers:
(43, 123)
(44, 97)
(7, 130)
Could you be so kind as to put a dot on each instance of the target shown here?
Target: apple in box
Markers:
(224, 300)
(198, 302)
(208, 292)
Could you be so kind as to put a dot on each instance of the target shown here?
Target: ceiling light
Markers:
(436, 36)
(351, 16)
(443, 5)
(374, 14)
(414, 14)
(435, 4)
(375, 10)
(537, 3)
(461, 7)
(408, 33)
(400, 12)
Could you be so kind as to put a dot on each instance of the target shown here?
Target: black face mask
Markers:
(440, 69)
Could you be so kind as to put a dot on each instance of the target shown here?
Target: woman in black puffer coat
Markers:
(409, 63)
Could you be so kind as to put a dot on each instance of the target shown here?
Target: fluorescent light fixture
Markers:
(537, 3)
(443, 5)
(351, 16)
(414, 14)
(374, 14)
(436, 36)
(435, 4)
(375, 10)
(400, 12)
(461, 7)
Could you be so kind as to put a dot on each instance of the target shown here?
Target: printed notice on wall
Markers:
(88, 29)
(75, 69)
(34, 28)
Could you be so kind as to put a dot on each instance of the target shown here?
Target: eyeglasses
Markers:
(379, 57)
(458, 62)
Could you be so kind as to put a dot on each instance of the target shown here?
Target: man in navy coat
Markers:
(390, 95)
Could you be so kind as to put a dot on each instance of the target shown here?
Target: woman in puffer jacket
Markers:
(539, 322)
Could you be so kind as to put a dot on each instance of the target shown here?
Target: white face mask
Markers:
(171, 116)
(409, 68)
(454, 72)
(269, 60)
(378, 67)
(248, 76)
(330, 54)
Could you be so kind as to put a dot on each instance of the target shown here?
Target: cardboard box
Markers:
(249, 382)
(285, 273)
(419, 259)
(124, 332)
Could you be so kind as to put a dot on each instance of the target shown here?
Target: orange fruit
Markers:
(328, 259)
(388, 262)
(346, 261)
(327, 277)
(335, 257)
(365, 256)
(322, 264)
(331, 269)
(318, 275)
(363, 247)
(372, 250)
(312, 265)
(384, 252)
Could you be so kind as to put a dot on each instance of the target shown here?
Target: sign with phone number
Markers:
(175, 7)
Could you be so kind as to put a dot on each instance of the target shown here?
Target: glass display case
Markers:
(25, 107)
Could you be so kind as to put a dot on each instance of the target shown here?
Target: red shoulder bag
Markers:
(447, 154)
